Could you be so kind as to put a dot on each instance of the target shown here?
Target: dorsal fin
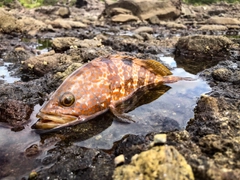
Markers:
(153, 66)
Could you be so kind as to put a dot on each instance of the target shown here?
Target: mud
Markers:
(43, 57)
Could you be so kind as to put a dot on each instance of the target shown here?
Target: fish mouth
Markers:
(50, 121)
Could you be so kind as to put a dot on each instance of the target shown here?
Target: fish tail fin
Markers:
(154, 66)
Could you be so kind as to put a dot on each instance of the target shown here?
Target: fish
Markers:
(101, 85)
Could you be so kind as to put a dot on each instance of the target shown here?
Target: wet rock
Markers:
(116, 11)
(44, 63)
(196, 64)
(68, 71)
(124, 18)
(85, 54)
(81, 3)
(143, 29)
(47, 10)
(131, 145)
(32, 150)
(66, 24)
(215, 112)
(75, 162)
(160, 162)
(15, 113)
(222, 74)
(8, 23)
(13, 4)
(147, 9)
(65, 43)
(188, 12)
(64, 12)
(210, 144)
(203, 45)
(119, 160)
(223, 20)
(17, 55)
(160, 139)
(131, 44)
(29, 92)
(32, 175)
(236, 77)
(31, 26)
(213, 28)
(175, 25)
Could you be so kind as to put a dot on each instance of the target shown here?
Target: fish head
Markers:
(60, 110)
(63, 107)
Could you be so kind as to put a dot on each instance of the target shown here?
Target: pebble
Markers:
(160, 139)
(119, 160)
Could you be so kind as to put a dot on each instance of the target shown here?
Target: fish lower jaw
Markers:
(49, 121)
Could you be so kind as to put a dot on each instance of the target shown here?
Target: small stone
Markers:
(222, 74)
(64, 12)
(32, 175)
(32, 150)
(119, 160)
(160, 139)
(30, 66)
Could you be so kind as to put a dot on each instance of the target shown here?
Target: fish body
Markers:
(99, 86)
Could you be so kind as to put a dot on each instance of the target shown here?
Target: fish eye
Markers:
(67, 99)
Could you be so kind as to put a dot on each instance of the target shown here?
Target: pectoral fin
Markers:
(123, 117)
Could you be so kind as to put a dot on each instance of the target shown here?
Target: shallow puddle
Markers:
(5, 76)
(42, 45)
(171, 110)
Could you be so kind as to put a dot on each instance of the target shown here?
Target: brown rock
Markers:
(44, 63)
(143, 29)
(202, 45)
(15, 113)
(64, 12)
(124, 18)
(65, 43)
(223, 20)
(144, 10)
(213, 28)
(175, 25)
(66, 24)
(8, 23)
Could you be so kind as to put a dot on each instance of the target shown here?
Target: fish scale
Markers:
(99, 86)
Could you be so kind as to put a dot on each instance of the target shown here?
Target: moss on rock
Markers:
(160, 162)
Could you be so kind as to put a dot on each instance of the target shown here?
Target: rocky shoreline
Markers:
(204, 40)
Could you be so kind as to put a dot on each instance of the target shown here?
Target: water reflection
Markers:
(5, 76)
(195, 65)
(42, 45)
